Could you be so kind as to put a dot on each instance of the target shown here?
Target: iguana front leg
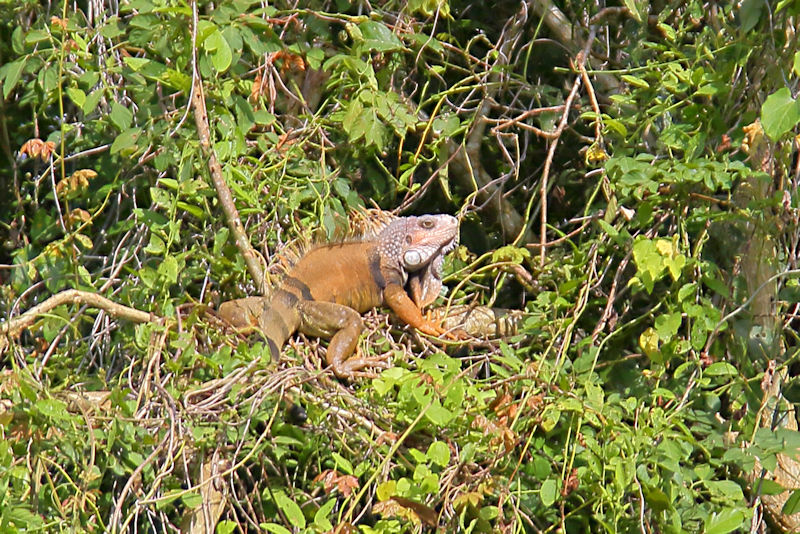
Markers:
(343, 325)
(398, 300)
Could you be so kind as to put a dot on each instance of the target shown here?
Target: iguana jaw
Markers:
(423, 262)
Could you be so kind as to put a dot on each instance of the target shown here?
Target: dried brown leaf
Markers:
(413, 511)
(58, 22)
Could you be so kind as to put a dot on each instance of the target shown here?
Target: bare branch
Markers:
(214, 168)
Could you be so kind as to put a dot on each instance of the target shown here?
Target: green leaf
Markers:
(687, 291)
(274, 528)
(727, 489)
(379, 38)
(710, 89)
(387, 489)
(12, 76)
(136, 63)
(613, 125)
(168, 498)
(792, 504)
(91, 101)
(53, 408)
(608, 229)
(156, 247)
(196, 211)
(487, 513)
(226, 526)
(770, 487)
(796, 64)
(315, 57)
(430, 7)
(342, 463)
(727, 520)
(220, 50)
(220, 238)
(648, 341)
(779, 113)
(112, 28)
(168, 268)
(17, 40)
(20, 516)
(636, 82)
(321, 516)
(192, 499)
(667, 30)
(594, 396)
(721, 369)
(750, 13)
(549, 492)
(84, 240)
(439, 453)
(667, 325)
(76, 95)
(438, 414)
(125, 140)
(649, 262)
(121, 116)
(293, 512)
(657, 499)
(674, 260)
(511, 254)
(36, 36)
(541, 467)
(717, 286)
(176, 80)
(633, 9)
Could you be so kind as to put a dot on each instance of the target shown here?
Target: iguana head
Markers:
(416, 246)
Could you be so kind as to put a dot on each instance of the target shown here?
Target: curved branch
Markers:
(14, 326)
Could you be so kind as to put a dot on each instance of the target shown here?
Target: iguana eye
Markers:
(426, 223)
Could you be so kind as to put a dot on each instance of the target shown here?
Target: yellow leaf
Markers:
(386, 490)
(649, 342)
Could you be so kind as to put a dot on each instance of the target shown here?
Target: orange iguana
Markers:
(325, 293)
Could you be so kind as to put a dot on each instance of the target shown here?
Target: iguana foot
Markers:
(352, 367)
(457, 335)
(432, 328)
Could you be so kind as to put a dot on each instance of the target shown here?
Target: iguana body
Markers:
(325, 293)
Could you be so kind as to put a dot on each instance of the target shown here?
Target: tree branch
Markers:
(223, 192)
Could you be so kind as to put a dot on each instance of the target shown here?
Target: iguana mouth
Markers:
(437, 260)
(425, 284)
(449, 247)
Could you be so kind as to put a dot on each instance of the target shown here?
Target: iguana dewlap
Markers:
(326, 292)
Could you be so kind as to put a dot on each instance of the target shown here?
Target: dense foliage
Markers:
(626, 175)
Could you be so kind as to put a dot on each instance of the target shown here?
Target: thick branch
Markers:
(14, 326)
(223, 192)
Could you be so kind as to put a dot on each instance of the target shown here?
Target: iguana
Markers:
(325, 293)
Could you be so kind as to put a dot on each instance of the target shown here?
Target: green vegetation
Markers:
(627, 176)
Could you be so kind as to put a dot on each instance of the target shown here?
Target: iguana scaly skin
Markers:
(326, 292)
